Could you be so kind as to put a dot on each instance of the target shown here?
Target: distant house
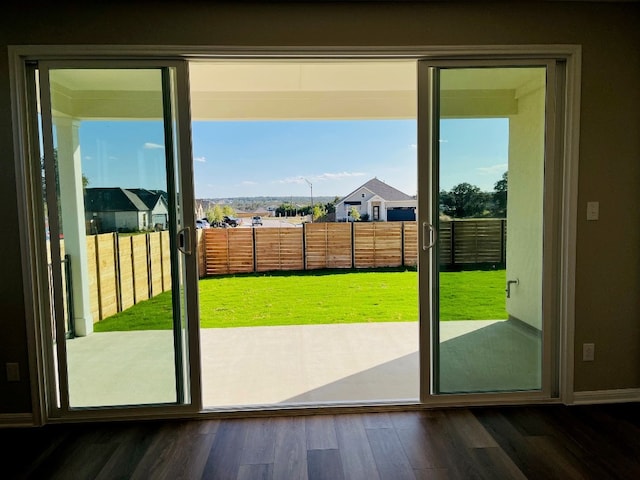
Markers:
(379, 202)
(113, 209)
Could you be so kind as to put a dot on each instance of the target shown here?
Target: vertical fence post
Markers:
(133, 271)
(116, 266)
(149, 273)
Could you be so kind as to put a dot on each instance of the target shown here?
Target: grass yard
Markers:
(317, 297)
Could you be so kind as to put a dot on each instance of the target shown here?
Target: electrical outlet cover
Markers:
(588, 352)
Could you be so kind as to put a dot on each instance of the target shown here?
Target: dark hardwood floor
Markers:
(528, 442)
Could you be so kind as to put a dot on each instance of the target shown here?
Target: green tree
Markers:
(354, 213)
(319, 211)
(286, 210)
(500, 196)
(330, 207)
(305, 210)
(463, 201)
(215, 214)
(447, 204)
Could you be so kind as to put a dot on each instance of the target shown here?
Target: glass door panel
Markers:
(487, 180)
(119, 252)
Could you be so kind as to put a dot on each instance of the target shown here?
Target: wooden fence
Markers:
(124, 270)
(347, 245)
(464, 242)
(314, 246)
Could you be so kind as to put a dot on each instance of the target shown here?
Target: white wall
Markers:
(524, 208)
(342, 209)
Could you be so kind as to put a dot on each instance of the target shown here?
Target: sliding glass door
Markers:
(488, 133)
(118, 217)
(112, 212)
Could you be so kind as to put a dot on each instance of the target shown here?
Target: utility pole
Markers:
(311, 187)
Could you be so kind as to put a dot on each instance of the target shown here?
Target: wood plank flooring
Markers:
(525, 442)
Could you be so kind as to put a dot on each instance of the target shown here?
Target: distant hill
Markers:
(251, 204)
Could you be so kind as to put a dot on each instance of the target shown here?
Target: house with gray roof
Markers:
(114, 209)
(379, 202)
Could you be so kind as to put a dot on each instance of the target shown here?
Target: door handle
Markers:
(184, 240)
(428, 230)
(509, 283)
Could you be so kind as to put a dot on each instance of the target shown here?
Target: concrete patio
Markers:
(307, 364)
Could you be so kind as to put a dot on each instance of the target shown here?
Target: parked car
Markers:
(232, 221)
(202, 223)
(257, 220)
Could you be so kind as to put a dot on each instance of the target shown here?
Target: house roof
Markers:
(384, 191)
(115, 199)
(149, 197)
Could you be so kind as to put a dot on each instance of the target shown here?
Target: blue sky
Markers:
(475, 151)
(242, 158)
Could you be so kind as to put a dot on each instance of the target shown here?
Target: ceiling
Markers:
(289, 89)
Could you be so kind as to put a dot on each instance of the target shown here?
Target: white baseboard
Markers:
(16, 420)
(607, 396)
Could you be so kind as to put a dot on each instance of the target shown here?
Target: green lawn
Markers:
(337, 296)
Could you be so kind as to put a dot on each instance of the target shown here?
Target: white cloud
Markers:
(320, 178)
(248, 182)
(153, 146)
(290, 180)
(493, 169)
(199, 159)
(414, 145)
(338, 175)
